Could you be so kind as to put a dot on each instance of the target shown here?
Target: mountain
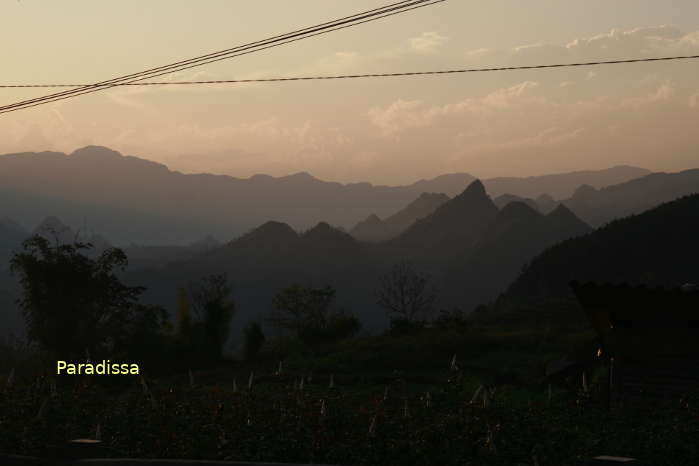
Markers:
(561, 186)
(516, 235)
(450, 184)
(131, 200)
(134, 200)
(374, 229)
(658, 247)
(455, 226)
(470, 248)
(504, 199)
(599, 206)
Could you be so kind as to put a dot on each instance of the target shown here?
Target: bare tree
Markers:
(405, 294)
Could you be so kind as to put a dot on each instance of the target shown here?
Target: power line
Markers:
(371, 75)
(323, 28)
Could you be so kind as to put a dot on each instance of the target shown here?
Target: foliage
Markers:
(298, 308)
(73, 303)
(253, 339)
(405, 293)
(306, 312)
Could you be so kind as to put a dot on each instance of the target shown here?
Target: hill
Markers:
(599, 206)
(655, 248)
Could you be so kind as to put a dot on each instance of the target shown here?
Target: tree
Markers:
(405, 294)
(253, 339)
(306, 312)
(214, 307)
(73, 303)
(300, 309)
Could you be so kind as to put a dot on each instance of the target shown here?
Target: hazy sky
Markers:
(389, 130)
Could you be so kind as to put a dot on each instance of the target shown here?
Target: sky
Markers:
(385, 131)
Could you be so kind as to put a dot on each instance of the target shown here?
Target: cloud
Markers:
(427, 42)
(403, 115)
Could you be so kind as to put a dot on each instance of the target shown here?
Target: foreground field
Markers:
(374, 401)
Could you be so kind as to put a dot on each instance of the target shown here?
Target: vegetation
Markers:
(392, 400)
(406, 296)
(306, 312)
(74, 304)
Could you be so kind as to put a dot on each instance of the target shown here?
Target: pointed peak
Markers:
(475, 189)
(562, 210)
(563, 214)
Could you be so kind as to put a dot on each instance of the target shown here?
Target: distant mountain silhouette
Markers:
(450, 184)
(512, 239)
(456, 226)
(599, 206)
(471, 249)
(561, 186)
(504, 199)
(374, 229)
(658, 247)
(134, 200)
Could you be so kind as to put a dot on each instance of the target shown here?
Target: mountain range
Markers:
(132, 200)
(470, 248)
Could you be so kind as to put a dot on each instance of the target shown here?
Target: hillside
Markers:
(656, 248)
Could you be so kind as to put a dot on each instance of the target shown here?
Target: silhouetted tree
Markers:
(306, 312)
(405, 294)
(298, 308)
(214, 307)
(253, 339)
(73, 303)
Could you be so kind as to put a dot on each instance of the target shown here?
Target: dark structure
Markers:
(650, 338)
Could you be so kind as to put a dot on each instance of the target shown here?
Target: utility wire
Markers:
(324, 28)
(371, 75)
